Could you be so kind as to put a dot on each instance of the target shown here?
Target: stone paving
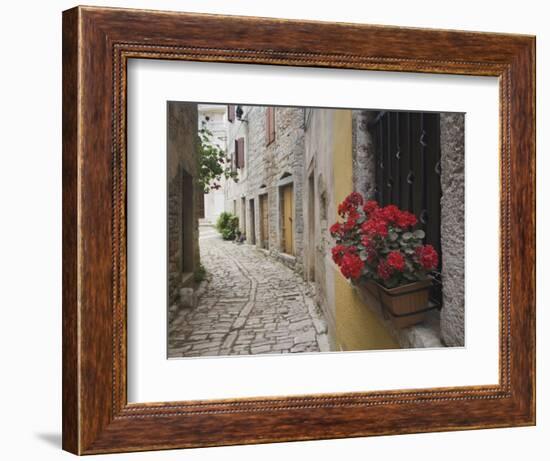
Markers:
(249, 304)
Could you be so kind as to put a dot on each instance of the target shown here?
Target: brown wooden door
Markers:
(288, 213)
(243, 215)
(252, 233)
(264, 222)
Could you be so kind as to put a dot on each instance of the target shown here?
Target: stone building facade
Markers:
(317, 157)
(183, 199)
(270, 174)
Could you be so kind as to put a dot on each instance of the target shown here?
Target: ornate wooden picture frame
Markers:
(97, 44)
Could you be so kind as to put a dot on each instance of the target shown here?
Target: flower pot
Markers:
(406, 305)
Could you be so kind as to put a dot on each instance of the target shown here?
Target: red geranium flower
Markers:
(351, 222)
(336, 230)
(366, 241)
(405, 219)
(381, 228)
(375, 227)
(338, 253)
(369, 248)
(427, 257)
(350, 204)
(369, 225)
(352, 266)
(389, 213)
(343, 209)
(370, 207)
(384, 271)
(355, 198)
(396, 260)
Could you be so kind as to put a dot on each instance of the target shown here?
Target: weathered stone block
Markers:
(188, 297)
(452, 228)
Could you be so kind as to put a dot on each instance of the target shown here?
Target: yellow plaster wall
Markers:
(357, 327)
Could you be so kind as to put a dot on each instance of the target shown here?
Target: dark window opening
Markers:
(408, 169)
(239, 152)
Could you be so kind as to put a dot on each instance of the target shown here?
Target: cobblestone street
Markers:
(250, 304)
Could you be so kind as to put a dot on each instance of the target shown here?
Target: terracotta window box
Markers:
(406, 305)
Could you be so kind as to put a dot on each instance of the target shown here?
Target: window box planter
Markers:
(406, 305)
(381, 245)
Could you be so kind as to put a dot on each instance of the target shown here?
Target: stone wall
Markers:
(183, 196)
(363, 153)
(452, 228)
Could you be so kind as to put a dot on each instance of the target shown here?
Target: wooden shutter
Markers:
(239, 152)
(236, 154)
(269, 125)
(230, 112)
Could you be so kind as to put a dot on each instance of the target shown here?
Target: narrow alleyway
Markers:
(250, 304)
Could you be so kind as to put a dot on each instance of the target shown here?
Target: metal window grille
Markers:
(408, 169)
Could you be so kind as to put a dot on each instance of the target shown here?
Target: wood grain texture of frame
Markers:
(97, 43)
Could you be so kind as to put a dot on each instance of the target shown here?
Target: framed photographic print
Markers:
(284, 230)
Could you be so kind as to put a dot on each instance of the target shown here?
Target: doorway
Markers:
(252, 233)
(311, 229)
(287, 206)
(264, 222)
(187, 223)
(243, 216)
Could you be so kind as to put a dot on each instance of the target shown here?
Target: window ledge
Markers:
(423, 335)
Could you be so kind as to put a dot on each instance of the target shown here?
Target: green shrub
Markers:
(200, 273)
(227, 225)
(223, 220)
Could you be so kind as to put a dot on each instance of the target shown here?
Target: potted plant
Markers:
(379, 249)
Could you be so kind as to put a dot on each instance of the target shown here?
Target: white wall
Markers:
(217, 125)
(30, 234)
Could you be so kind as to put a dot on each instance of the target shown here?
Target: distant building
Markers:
(214, 118)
